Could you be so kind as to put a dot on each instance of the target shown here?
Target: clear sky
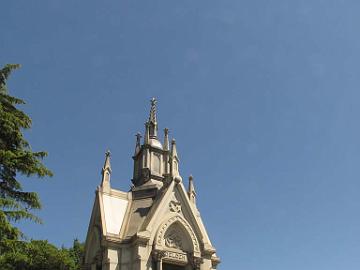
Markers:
(262, 98)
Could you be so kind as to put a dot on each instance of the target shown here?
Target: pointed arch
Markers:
(166, 224)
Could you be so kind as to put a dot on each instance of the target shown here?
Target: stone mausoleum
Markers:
(154, 226)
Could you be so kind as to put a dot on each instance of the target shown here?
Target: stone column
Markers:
(158, 255)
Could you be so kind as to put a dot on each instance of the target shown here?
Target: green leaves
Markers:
(4, 74)
(16, 158)
(40, 254)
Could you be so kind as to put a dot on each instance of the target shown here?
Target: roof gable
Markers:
(174, 200)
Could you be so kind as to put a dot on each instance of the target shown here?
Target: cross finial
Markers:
(153, 102)
(138, 137)
(191, 190)
(107, 165)
(106, 172)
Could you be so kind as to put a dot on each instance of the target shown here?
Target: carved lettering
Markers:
(175, 256)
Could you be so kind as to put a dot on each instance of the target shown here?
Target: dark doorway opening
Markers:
(166, 266)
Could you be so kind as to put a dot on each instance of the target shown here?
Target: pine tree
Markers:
(16, 158)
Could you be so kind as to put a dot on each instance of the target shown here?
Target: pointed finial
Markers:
(174, 159)
(106, 172)
(138, 137)
(191, 190)
(107, 160)
(173, 149)
(137, 145)
(153, 127)
(166, 139)
(152, 117)
(153, 101)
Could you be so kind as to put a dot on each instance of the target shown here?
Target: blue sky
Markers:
(261, 96)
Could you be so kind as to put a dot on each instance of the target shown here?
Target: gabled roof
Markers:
(121, 215)
(109, 212)
(176, 192)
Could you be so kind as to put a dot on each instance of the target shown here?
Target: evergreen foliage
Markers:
(16, 158)
(39, 254)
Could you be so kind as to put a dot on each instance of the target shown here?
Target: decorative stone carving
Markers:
(215, 261)
(170, 256)
(173, 240)
(158, 254)
(175, 206)
(170, 221)
(196, 262)
(180, 258)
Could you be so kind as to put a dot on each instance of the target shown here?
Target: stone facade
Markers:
(154, 226)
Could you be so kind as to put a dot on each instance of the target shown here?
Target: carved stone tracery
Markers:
(173, 240)
(158, 254)
(175, 206)
(164, 227)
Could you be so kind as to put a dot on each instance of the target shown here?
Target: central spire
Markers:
(153, 127)
(154, 163)
(152, 117)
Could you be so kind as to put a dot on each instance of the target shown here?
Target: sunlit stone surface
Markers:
(154, 226)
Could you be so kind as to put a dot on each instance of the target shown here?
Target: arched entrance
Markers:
(176, 246)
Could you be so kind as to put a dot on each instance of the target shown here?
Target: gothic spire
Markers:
(152, 117)
(106, 172)
(153, 128)
(191, 190)
(174, 169)
(173, 149)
